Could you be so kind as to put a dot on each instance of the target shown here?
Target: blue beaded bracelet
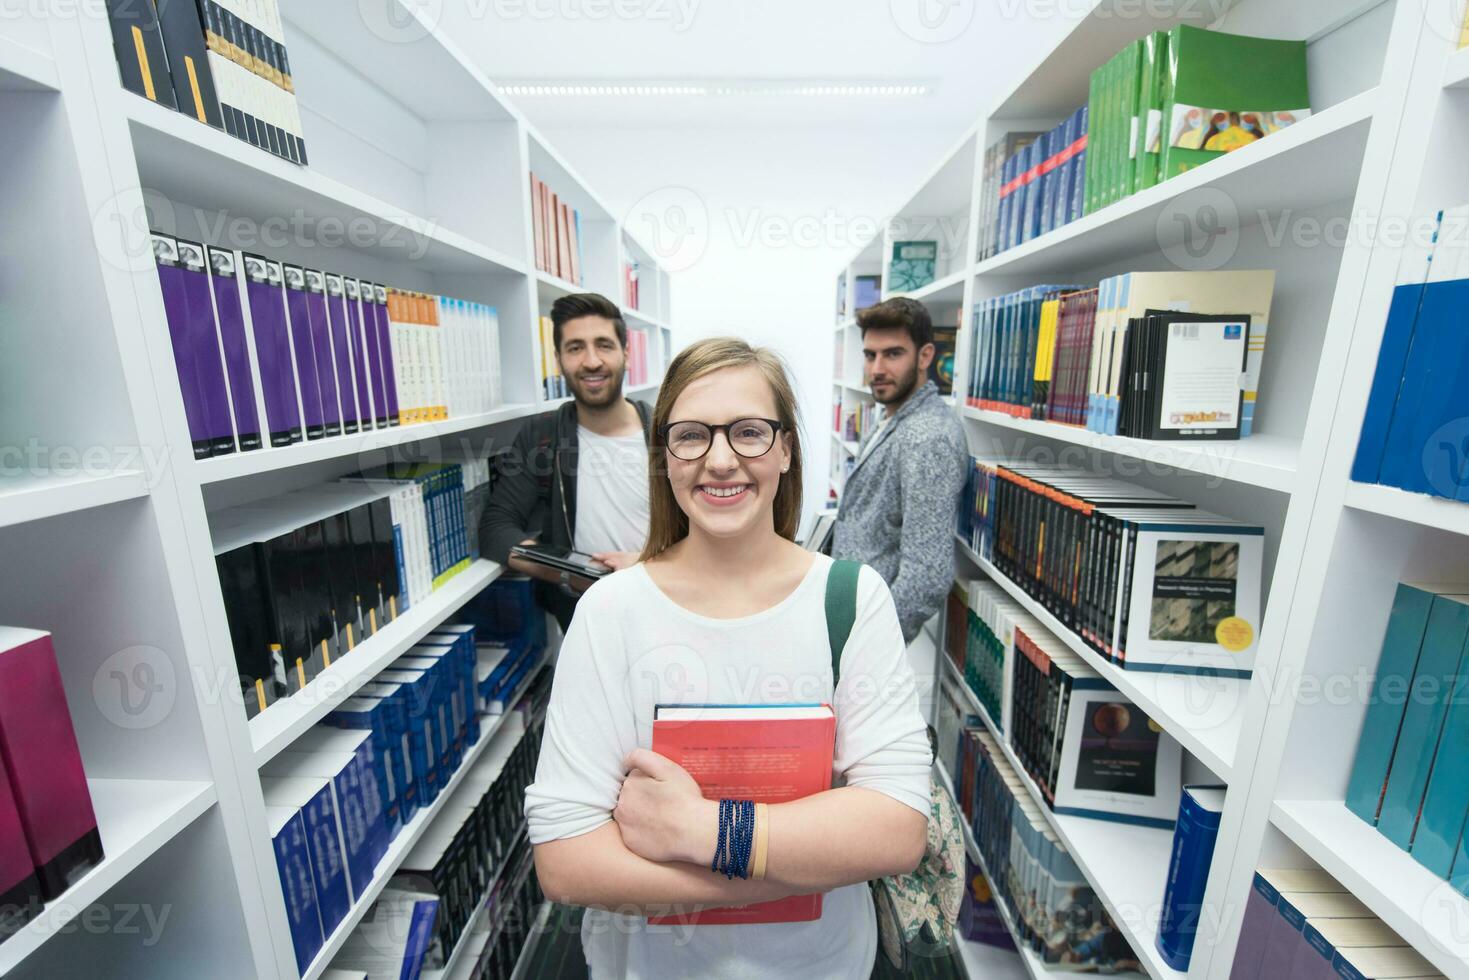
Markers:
(736, 837)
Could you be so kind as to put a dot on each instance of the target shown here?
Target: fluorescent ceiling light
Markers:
(819, 88)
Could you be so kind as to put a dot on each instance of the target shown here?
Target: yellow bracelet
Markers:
(762, 840)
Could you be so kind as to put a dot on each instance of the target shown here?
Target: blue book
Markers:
(1287, 932)
(1032, 222)
(1395, 667)
(1261, 913)
(1049, 178)
(1199, 811)
(313, 797)
(1459, 876)
(1399, 453)
(288, 840)
(1076, 202)
(1438, 662)
(1006, 219)
(373, 770)
(1441, 826)
(1061, 205)
(359, 837)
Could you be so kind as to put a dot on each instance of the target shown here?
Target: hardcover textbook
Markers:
(717, 744)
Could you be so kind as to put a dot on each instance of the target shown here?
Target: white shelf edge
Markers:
(1141, 937)
(1132, 683)
(400, 847)
(1221, 460)
(166, 122)
(1423, 909)
(561, 286)
(1456, 69)
(36, 498)
(631, 314)
(943, 285)
(850, 448)
(282, 723)
(532, 939)
(1439, 513)
(137, 817)
(36, 69)
(217, 469)
(1322, 125)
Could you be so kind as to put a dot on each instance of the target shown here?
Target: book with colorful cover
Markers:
(715, 743)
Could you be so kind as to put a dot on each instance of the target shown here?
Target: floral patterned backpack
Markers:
(915, 912)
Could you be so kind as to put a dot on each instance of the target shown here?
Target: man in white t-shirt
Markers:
(577, 476)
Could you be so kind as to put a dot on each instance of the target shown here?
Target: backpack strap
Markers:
(841, 610)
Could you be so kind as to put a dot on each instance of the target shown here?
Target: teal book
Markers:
(1438, 663)
(912, 266)
(1395, 667)
(1227, 91)
(1444, 805)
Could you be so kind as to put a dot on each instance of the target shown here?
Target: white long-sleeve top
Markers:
(630, 647)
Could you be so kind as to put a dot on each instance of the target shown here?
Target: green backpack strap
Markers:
(841, 610)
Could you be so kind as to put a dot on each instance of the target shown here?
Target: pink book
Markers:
(39, 750)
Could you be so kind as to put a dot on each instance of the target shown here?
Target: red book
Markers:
(767, 753)
(536, 221)
(41, 758)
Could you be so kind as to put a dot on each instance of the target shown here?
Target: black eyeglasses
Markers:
(750, 438)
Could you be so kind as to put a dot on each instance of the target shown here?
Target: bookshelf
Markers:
(1389, 95)
(419, 179)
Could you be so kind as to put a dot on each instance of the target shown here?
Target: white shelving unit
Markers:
(1384, 142)
(419, 179)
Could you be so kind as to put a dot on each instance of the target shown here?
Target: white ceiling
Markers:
(963, 50)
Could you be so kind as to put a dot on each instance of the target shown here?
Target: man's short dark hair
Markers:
(899, 313)
(577, 305)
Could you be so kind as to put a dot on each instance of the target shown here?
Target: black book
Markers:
(1197, 362)
(261, 670)
(142, 60)
(188, 61)
(341, 562)
(392, 590)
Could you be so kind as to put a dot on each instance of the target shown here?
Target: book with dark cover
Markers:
(137, 41)
(20, 892)
(321, 345)
(385, 349)
(188, 60)
(39, 749)
(186, 334)
(272, 351)
(257, 660)
(371, 344)
(1199, 811)
(303, 350)
(230, 319)
(336, 305)
(352, 296)
(287, 830)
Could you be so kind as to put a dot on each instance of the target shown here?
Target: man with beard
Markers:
(576, 476)
(899, 504)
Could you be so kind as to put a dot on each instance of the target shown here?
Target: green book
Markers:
(1159, 126)
(1131, 84)
(1228, 91)
(912, 266)
(1150, 110)
(1107, 192)
(1093, 140)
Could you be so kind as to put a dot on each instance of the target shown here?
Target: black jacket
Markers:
(535, 495)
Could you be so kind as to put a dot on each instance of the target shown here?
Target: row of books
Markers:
(1409, 778)
(553, 382)
(271, 353)
(1301, 924)
(506, 933)
(462, 857)
(48, 830)
(1413, 435)
(1144, 578)
(1089, 750)
(1153, 355)
(223, 62)
(630, 282)
(1033, 184)
(1170, 101)
(1056, 912)
(323, 808)
(556, 229)
(308, 576)
(854, 423)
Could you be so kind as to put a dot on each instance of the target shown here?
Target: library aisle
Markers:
(333, 336)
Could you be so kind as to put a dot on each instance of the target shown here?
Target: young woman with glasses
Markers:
(725, 608)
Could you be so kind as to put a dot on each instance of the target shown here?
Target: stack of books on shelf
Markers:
(222, 63)
(556, 229)
(1038, 186)
(48, 831)
(269, 353)
(1173, 100)
(308, 576)
(856, 422)
(996, 159)
(630, 283)
(1299, 922)
(1409, 779)
(1414, 436)
(462, 857)
(1143, 578)
(553, 382)
(979, 638)
(1057, 913)
(1149, 355)
(505, 936)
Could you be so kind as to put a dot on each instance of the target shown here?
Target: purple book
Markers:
(336, 307)
(374, 355)
(365, 411)
(302, 346)
(43, 763)
(176, 308)
(20, 892)
(208, 361)
(321, 343)
(272, 352)
(385, 346)
(231, 319)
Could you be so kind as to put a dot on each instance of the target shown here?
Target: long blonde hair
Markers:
(668, 524)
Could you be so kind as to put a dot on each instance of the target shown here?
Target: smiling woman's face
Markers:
(726, 494)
